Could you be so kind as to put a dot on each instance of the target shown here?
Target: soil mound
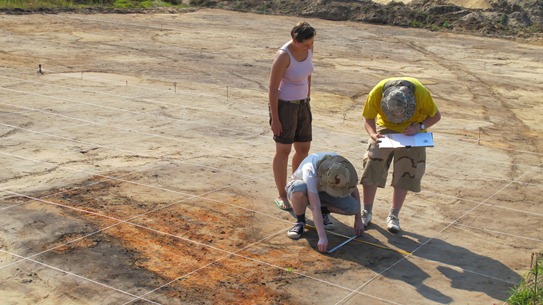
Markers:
(490, 18)
(503, 18)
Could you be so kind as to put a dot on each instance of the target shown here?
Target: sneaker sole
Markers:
(297, 236)
(393, 230)
(294, 237)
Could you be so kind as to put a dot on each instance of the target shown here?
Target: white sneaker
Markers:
(366, 218)
(393, 224)
(328, 225)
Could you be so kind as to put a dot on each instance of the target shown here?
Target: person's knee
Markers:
(298, 199)
(298, 196)
(283, 153)
(302, 147)
(297, 189)
(283, 149)
(302, 151)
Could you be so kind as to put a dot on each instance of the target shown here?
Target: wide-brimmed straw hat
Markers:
(337, 176)
(398, 102)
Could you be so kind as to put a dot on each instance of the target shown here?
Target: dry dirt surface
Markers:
(137, 168)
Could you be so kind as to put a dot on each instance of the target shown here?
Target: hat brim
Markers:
(329, 189)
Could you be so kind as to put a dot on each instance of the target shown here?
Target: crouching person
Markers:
(328, 182)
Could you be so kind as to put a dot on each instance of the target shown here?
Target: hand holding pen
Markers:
(413, 129)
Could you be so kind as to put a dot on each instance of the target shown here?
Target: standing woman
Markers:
(290, 112)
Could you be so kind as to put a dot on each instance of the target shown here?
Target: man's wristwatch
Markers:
(422, 126)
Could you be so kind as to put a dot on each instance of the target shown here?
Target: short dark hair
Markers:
(302, 31)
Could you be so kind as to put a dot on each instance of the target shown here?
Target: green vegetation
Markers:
(23, 4)
(530, 289)
(504, 19)
(118, 4)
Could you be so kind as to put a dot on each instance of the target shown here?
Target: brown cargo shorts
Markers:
(296, 119)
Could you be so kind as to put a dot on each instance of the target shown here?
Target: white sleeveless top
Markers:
(294, 84)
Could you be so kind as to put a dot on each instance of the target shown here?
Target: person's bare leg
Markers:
(368, 196)
(280, 165)
(398, 198)
(301, 150)
(393, 222)
(298, 202)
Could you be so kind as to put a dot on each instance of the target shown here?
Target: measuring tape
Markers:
(358, 240)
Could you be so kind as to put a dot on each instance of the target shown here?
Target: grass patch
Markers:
(530, 289)
(33, 4)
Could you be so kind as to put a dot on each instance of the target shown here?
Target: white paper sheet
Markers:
(395, 140)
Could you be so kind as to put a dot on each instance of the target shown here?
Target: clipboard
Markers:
(396, 140)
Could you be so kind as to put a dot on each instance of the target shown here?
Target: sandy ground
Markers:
(137, 169)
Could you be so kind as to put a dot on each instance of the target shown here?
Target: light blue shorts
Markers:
(348, 205)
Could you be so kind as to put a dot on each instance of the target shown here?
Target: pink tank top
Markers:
(294, 84)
